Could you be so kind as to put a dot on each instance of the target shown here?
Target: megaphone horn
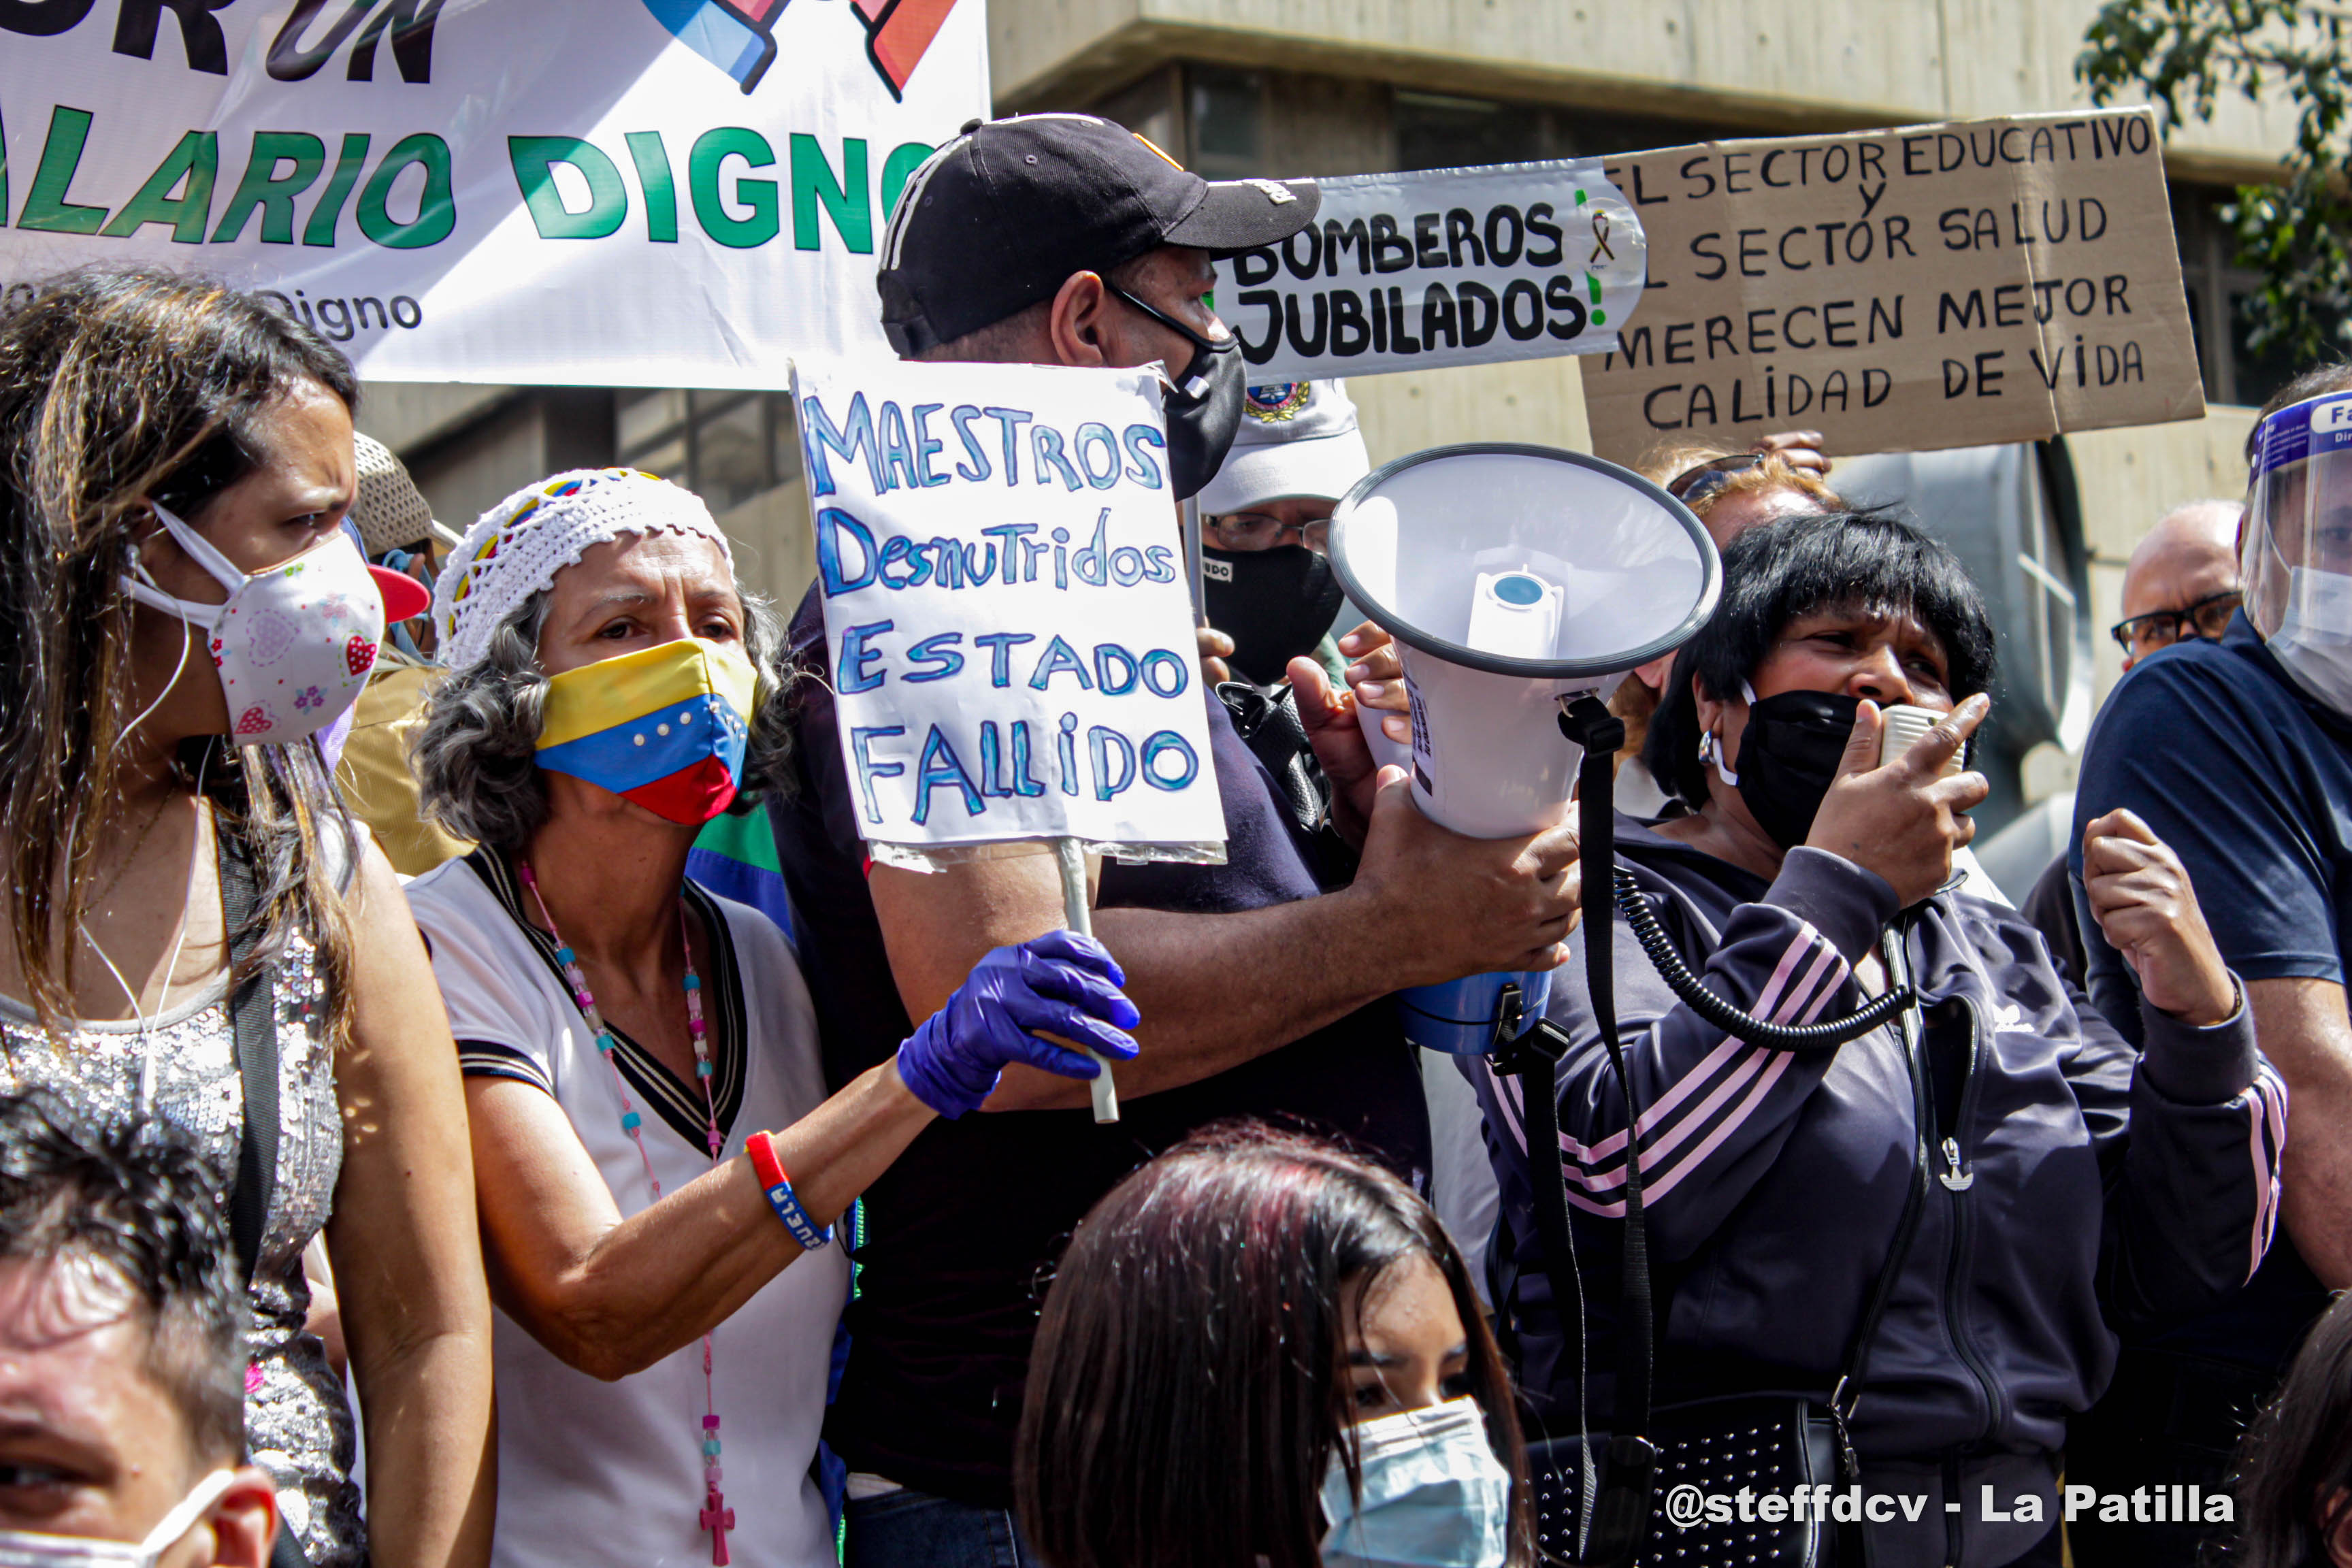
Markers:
(1515, 579)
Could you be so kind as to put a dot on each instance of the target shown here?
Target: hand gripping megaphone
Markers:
(1520, 583)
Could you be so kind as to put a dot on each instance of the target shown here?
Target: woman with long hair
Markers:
(1260, 1348)
(181, 615)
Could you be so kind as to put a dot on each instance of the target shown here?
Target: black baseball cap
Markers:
(995, 220)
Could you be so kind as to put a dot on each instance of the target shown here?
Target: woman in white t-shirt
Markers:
(628, 1039)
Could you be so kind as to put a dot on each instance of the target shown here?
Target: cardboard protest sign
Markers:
(1447, 267)
(1005, 606)
(638, 193)
(1934, 286)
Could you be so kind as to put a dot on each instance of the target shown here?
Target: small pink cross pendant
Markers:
(718, 1518)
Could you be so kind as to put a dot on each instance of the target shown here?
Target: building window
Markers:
(725, 447)
(2053, 608)
(2218, 290)
(1434, 131)
(1228, 121)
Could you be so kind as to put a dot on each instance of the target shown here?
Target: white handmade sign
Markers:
(636, 192)
(1005, 606)
(1441, 267)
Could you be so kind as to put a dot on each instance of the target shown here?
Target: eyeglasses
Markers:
(1259, 530)
(1202, 344)
(1693, 486)
(2209, 618)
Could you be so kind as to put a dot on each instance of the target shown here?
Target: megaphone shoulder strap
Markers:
(1621, 1511)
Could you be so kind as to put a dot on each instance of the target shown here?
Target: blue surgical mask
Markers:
(1433, 1494)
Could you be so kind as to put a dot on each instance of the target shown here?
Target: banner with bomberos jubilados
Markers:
(651, 193)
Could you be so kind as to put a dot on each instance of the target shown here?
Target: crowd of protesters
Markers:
(467, 1095)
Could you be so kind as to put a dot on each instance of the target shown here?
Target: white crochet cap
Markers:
(515, 549)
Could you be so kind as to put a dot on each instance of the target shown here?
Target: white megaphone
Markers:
(1515, 580)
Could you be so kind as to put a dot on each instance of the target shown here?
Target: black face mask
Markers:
(1204, 406)
(1788, 756)
(1274, 604)
(1201, 428)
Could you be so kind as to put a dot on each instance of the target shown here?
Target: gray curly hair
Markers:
(477, 756)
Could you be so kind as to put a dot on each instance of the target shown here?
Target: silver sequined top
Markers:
(297, 1423)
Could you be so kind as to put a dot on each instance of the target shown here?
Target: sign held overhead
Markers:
(1933, 286)
(1006, 608)
(1443, 268)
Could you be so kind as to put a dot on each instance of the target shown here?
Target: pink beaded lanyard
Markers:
(716, 1516)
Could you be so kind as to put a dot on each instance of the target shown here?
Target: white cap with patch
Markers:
(1296, 438)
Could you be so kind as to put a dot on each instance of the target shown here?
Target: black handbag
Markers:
(1767, 1443)
(1611, 1499)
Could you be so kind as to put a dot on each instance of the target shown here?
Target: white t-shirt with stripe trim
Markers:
(592, 1472)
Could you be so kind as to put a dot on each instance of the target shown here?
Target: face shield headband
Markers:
(2295, 557)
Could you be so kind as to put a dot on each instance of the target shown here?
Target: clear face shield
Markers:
(2296, 559)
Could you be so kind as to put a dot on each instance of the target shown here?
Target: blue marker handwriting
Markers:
(851, 556)
(1003, 763)
(907, 448)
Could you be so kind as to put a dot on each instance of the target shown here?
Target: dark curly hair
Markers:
(139, 1202)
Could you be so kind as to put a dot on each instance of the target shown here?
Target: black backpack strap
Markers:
(253, 1020)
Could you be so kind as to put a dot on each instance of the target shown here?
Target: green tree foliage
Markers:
(2183, 55)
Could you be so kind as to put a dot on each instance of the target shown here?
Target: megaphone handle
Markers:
(1071, 858)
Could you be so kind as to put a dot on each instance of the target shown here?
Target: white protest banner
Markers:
(1005, 606)
(1446, 267)
(662, 192)
(1958, 285)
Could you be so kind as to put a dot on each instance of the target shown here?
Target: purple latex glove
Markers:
(1061, 981)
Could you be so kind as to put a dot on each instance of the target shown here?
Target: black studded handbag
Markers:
(1770, 1445)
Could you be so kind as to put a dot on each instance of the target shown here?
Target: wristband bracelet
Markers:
(778, 1186)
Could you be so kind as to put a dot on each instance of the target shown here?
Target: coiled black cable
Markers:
(1722, 1014)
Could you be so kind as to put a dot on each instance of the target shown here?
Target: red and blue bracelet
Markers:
(778, 1186)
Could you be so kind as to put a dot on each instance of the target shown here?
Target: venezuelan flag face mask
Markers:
(664, 727)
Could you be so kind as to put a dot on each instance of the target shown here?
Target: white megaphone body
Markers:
(1515, 579)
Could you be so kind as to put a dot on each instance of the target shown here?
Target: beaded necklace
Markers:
(716, 1516)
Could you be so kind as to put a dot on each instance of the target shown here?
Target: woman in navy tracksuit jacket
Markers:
(2078, 1187)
